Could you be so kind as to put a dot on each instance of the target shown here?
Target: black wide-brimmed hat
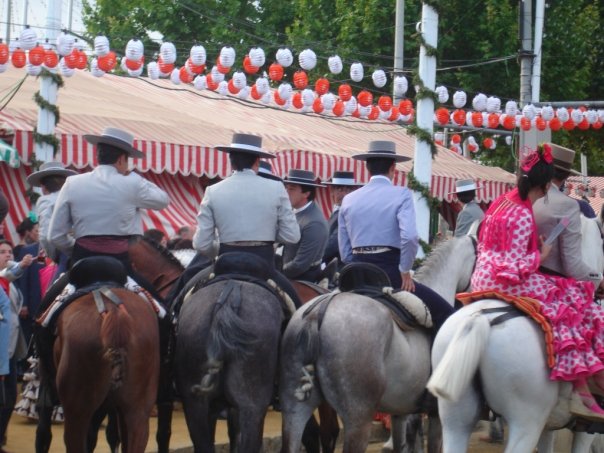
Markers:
(246, 143)
(343, 178)
(52, 168)
(382, 149)
(118, 138)
(302, 178)
(563, 158)
(266, 171)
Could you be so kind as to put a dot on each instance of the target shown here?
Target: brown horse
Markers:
(109, 358)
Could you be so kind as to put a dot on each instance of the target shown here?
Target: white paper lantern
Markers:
(285, 91)
(479, 102)
(469, 120)
(167, 52)
(601, 114)
(350, 106)
(406, 118)
(227, 56)
(284, 57)
(379, 78)
(136, 72)
(485, 119)
(239, 80)
(328, 100)
(198, 55)
(217, 76)
(123, 66)
(528, 111)
(223, 88)
(307, 59)
(442, 93)
(547, 112)
(262, 85)
(384, 115)
(200, 82)
(244, 93)
(493, 104)
(472, 141)
(153, 70)
(562, 114)
(335, 64)
(257, 57)
(33, 70)
(517, 120)
(175, 76)
(65, 43)
(65, 70)
(365, 111)
(266, 98)
(508, 140)
(576, 115)
(287, 104)
(592, 116)
(135, 49)
(511, 108)
(28, 38)
(356, 72)
(94, 68)
(439, 137)
(101, 45)
(400, 86)
(459, 99)
(308, 97)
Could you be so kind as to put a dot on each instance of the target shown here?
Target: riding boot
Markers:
(44, 339)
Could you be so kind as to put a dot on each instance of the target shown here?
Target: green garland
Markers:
(423, 135)
(423, 190)
(50, 139)
(431, 51)
(44, 104)
(56, 78)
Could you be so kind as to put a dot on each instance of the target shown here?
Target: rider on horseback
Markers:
(377, 225)
(513, 260)
(245, 212)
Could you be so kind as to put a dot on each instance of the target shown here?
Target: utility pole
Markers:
(536, 77)
(399, 40)
(70, 21)
(9, 4)
(525, 53)
(25, 11)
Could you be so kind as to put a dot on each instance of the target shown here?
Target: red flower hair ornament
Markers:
(543, 152)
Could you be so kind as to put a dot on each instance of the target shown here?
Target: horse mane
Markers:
(164, 252)
(437, 258)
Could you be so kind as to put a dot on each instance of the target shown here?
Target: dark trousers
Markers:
(439, 308)
(267, 253)
(10, 391)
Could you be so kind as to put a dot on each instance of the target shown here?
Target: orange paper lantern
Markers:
(71, 60)
(356, 113)
(4, 53)
(221, 69)
(442, 115)
(165, 68)
(278, 99)
(338, 108)
(297, 100)
(36, 56)
(477, 119)
(456, 138)
(555, 124)
(317, 106)
(248, 66)
(254, 93)
(133, 65)
(597, 125)
(184, 75)
(322, 86)
(82, 60)
(525, 123)
(459, 117)
(105, 63)
(493, 120)
(18, 58)
(195, 69)
(488, 143)
(583, 125)
(509, 122)
(345, 92)
(275, 72)
(540, 123)
(569, 125)
(406, 106)
(374, 114)
(365, 98)
(300, 80)
(385, 103)
(394, 114)
(210, 82)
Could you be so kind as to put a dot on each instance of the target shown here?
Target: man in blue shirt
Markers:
(377, 225)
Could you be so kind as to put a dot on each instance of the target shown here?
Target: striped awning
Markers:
(590, 189)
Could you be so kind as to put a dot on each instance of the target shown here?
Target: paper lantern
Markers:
(528, 111)
(285, 91)
(442, 115)
(222, 68)
(344, 92)
(365, 98)
(262, 85)
(597, 125)
(540, 123)
(153, 70)
(328, 100)
(239, 80)
(106, 63)
(193, 68)
(442, 93)
(459, 99)
(601, 114)
(212, 84)
(456, 138)
(591, 116)
(374, 113)
(322, 86)
(66, 71)
(438, 138)
(18, 58)
(356, 113)
(275, 72)
(488, 143)
(576, 115)
(338, 108)
(297, 100)
(28, 38)
(400, 85)
(166, 68)
(198, 55)
(525, 123)
(33, 70)
(36, 56)
(217, 75)
(472, 145)
(134, 49)
(493, 120)
(383, 115)
(511, 108)
(335, 65)
(379, 78)
(94, 68)
(256, 57)
(555, 124)
(562, 114)
(200, 82)
(254, 92)
(284, 57)
(244, 93)
(547, 112)
(356, 72)
(223, 88)
(308, 97)
(101, 46)
(583, 124)
(133, 65)
(232, 88)
(569, 125)
(459, 117)
(477, 119)
(4, 53)
(71, 60)
(184, 75)
(394, 114)
(480, 102)
(405, 107)
(227, 56)
(167, 52)
(307, 59)
(82, 61)
(509, 140)
(493, 104)
(14, 45)
(317, 106)
(385, 103)
(248, 66)
(65, 44)
(350, 105)
(300, 80)
(136, 72)
(509, 122)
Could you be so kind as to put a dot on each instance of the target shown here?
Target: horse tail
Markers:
(116, 329)
(228, 335)
(308, 343)
(461, 359)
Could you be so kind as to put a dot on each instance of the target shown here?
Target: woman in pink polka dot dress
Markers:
(509, 254)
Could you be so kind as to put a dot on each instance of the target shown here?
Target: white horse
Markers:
(506, 364)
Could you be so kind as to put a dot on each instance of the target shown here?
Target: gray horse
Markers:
(226, 358)
(359, 361)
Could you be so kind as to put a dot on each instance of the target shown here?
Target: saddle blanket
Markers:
(131, 285)
(530, 307)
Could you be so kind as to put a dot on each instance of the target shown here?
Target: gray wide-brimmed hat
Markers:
(382, 149)
(465, 185)
(52, 168)
(343, 178)
(266, 171)
(563, 158)
(246, 143)
(302, 178)
(118, 138)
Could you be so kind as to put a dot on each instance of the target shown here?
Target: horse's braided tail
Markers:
(460, 362)
(308, 344)
(116, 329)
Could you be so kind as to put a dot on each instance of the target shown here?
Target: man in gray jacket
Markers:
(465, 190)
(302, 261)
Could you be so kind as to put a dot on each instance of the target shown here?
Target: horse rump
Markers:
(116, 331)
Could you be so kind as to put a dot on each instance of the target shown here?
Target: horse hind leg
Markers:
(295, 416)
(458, 420)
